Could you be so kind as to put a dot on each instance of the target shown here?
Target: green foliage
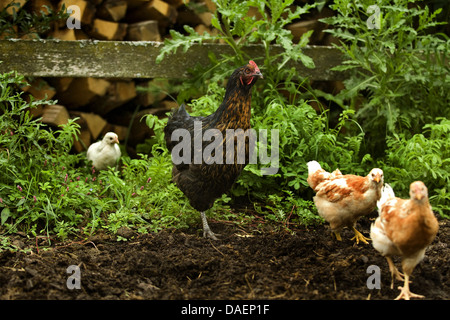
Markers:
(232, 21)
(34, 160)
(426, 157)
(399, 87)
(237, 29)
(21, 23)
(401, 68)
(46, 190)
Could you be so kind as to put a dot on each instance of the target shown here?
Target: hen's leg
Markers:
(359, 237)
(207, 233)
(405, 293)
(337, 235)
(394, 272)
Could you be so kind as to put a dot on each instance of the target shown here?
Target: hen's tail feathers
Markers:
(335, 174)
(386, 193)
(177, 119)
(313, 166)
(180, 113)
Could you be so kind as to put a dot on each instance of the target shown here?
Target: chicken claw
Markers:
(359, 237)
(337, 235)
(207, 233)
(405, 293)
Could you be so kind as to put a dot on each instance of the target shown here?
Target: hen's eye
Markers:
(247, 71)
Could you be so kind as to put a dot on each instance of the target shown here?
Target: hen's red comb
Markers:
(254, 65)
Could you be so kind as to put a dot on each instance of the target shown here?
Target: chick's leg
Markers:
(394, 272)
(359, 236)
(405, 293)
(207, 233)
(337, 235)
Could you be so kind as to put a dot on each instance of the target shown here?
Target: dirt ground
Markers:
(304, 264)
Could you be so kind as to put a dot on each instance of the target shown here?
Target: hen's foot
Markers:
(405, 293)
(337, 235)
(359, 237)
(207, 233)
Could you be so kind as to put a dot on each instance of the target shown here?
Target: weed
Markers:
(47, 190)
(21, 23)
(401, 68)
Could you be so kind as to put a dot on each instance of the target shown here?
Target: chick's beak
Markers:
(116, 140)
(418, 193)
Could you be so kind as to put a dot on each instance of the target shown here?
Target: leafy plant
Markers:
(399, 89)
(400, 67)
(426, 157)
(47, 190)
(33, 158)
(237, 29)
(17, 23)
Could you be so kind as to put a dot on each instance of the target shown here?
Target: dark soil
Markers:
(304, 264)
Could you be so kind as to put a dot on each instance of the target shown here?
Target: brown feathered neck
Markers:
(235, 110)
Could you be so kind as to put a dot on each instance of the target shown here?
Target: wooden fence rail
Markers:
(96, 81)
(135, 59)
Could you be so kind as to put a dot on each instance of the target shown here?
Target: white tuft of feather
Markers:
(386, 193)
(313, 166)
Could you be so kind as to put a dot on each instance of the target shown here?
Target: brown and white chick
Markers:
(104, 153)
(342, 199)
(405, 228)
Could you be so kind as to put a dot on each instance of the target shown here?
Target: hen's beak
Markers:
(418, 193)
(258, 74)
(377, 178)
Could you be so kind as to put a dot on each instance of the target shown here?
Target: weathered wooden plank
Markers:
(135, 59)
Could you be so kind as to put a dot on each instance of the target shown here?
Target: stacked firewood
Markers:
(103, 105)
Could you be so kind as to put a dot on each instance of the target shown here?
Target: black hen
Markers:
(200, 178)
